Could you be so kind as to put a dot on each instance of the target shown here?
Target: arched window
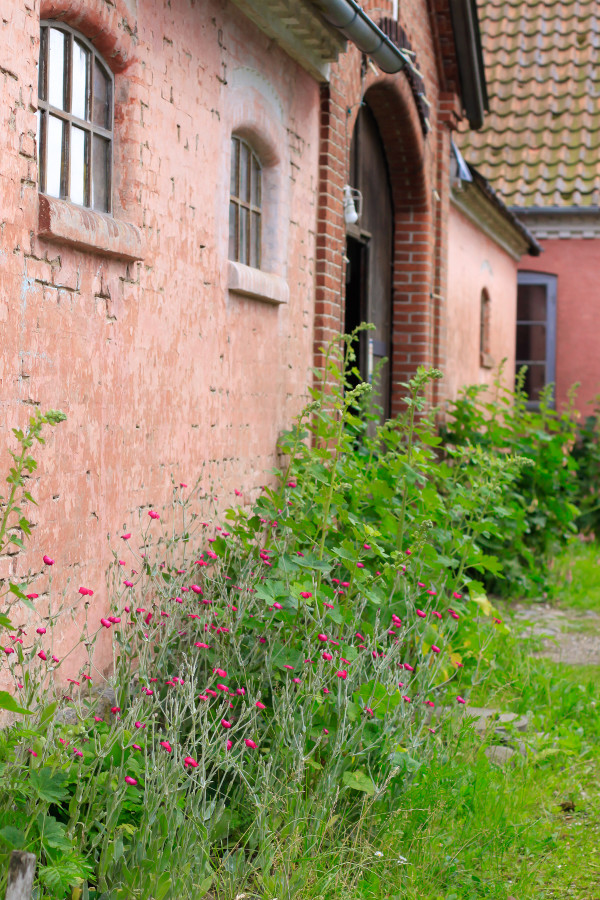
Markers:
(485, 358)
(245, 200)
(75, 119)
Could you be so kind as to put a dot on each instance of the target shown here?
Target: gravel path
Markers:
(571, 636)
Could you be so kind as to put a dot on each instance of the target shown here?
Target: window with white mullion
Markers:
(75, 119)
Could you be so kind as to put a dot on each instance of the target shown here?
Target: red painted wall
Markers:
(576, 263)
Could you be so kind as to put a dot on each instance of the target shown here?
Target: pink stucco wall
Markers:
(476, 262)
(159, 368)
(576, 263)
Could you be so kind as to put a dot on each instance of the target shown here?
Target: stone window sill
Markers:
(486, 361)
(256, 284)
(86, 229)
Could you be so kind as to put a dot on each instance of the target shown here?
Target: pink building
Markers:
(539, 150)
(174, 248)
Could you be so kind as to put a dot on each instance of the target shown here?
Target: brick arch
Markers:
(106, 26)
(406, 149)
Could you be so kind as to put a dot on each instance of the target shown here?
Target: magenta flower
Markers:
(421, 614)
(105, 623)
(240, 691)
(429, 703)
(407, 699)
(114, 619)
(197, 589)
(305, 594)
(9, 650)
(191, 762)
(32, 596)
(408, 668)
(326, 691)
(136, 747)
(220, 672)
(225, 723)
(460, 700)
(435, 648)
(436, 614)
(260, 705)
(48, 561)
(342, 674)
(153, 514)
(369, 710)
(291, 484)
(139, 725)
(223, 687)
(277, 606)
(85, 592)
(98, 719)
(250, 743)
(323, 638)
(125, 537)
(166, 746)
(229, 745)
(360, 565)
(115, 709)
(289, 667)
(297, 680)
(327, 655)
(33, 753)
(42, 655)
(457, 596)
(130, 780)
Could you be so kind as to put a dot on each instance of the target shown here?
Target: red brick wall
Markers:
(419, 175)
(160, 370)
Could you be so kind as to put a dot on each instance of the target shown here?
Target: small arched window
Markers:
(75, 119)
(245, 200)
(485, 358)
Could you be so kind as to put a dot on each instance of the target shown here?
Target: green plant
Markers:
(537, 513)
(275, 685)
(15, 527)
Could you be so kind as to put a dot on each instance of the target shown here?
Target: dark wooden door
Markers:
(369, 251)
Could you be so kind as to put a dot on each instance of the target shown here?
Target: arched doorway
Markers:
(369, 251)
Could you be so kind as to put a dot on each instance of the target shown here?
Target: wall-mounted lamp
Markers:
(352, 205)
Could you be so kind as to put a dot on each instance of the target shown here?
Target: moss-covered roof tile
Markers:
(540, 144)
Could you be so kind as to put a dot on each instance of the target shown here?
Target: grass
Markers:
(576, 577)
(468, 829)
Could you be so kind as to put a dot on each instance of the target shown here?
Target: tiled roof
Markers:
(540, 144)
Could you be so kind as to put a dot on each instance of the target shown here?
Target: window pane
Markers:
(255, 193)
(233, 227)
(100, 175)
(244, 173)
(531, 302)
(235, 162)
(102, 97)
(54, 157)
(42, 64)
(243, 248)
(78, 180)
(80, 81)
(531, 343)
(535, 380)
(56, 79)
(255, 240)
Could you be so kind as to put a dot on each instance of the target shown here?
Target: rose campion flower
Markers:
(32, 596)
(220, 672)
(42, 655)
(130, 780)
(153, 514)
(191, 762)
(421, 614)
(260, 705)
(342, 674)
(48, 560)
(435, 648)
(460, 700)
(305, 595)
(327, 656)
(323, 638)
(86, 592)
(250, 743)
(229, 745)
(40, 630)
(166, 746)
(105, 623)
(225, 723)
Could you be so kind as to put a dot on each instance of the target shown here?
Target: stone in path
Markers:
(561, 645)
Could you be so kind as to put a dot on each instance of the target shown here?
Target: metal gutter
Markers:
(467, 38)
(349, 18)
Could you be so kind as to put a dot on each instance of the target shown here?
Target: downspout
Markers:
(349, 18)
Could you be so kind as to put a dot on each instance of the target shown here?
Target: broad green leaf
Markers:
(359, 781)
(13, 837)
(49, 786)
(9, 703)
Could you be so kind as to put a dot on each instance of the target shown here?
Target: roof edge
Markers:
(469, 54)
(485, 187)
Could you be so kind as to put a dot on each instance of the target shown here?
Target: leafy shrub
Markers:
(272, 682)
(586, 453)
(537, 514)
